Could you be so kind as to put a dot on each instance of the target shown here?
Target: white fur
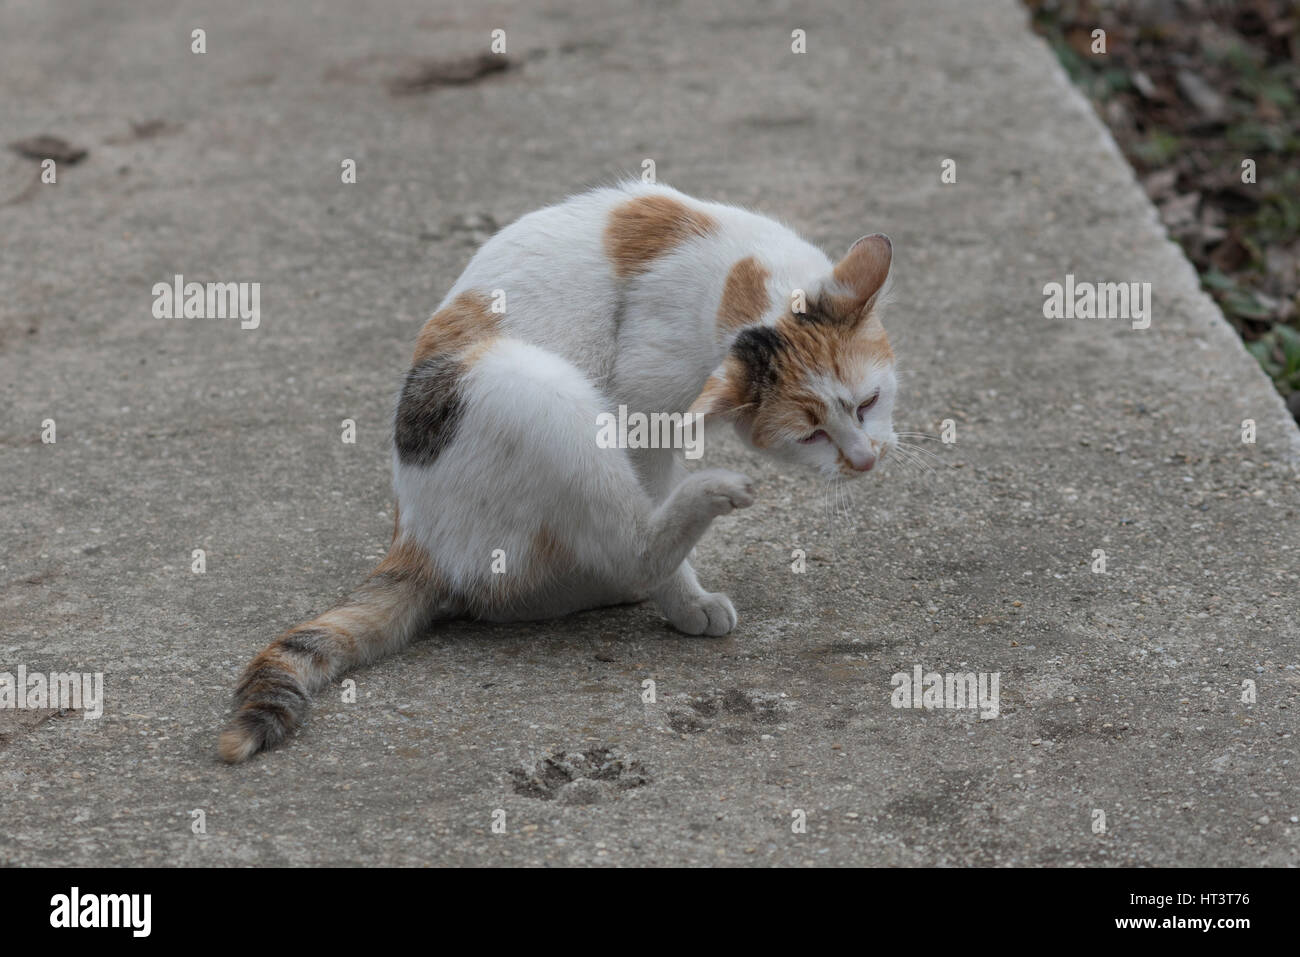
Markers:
(578, 341)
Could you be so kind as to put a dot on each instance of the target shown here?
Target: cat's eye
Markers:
(862, 409)
(815, 437)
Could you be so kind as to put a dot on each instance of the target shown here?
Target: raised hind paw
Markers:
(707, 613)
(721, 491)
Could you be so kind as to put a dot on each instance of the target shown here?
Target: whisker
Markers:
(916, 451)
(919, 450)
(904, 463)
(910, 457)
(827, 508)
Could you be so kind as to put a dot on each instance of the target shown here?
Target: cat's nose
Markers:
(862, 463)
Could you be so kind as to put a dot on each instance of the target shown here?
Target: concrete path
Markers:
(1120, 693)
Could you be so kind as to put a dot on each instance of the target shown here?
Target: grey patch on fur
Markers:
(820, 312)
(620, 313)
(760, 350)
(313, 643)
(429, 410)
(265, 725)
(271, 685)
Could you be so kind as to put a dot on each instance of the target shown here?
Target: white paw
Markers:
(703, 614)
(725, 491)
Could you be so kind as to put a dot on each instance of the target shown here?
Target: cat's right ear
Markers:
(861, 275)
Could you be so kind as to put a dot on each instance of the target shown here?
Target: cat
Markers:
(632, 295)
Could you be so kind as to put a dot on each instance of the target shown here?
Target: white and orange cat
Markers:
(508, 509)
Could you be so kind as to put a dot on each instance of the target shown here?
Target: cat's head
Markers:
(817, 386)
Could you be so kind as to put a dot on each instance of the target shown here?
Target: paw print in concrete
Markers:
(597, 776)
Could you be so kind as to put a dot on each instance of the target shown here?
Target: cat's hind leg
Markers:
(681, 598)
(522, 511)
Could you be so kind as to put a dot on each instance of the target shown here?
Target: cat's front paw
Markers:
(703, 614)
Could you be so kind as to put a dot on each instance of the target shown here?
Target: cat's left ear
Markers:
(861, 276)
(725, 396)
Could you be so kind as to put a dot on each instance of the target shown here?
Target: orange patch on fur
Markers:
(406, 561)
(744, 297)
(342, 624)
(791, 414)
(722, 393)
(548, 549)
(814, 348)
(643, 229)
(363, 612)
(547, 560)
(478, 349)
(874, 339)
(783, 405)
(467, 319)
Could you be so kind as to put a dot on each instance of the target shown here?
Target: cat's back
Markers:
(592, 242)
(556, 248)
(549, 277)
(568, 276)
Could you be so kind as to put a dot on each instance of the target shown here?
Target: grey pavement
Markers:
(1121, 692)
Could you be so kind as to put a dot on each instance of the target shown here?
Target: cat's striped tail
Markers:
(390, 608)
